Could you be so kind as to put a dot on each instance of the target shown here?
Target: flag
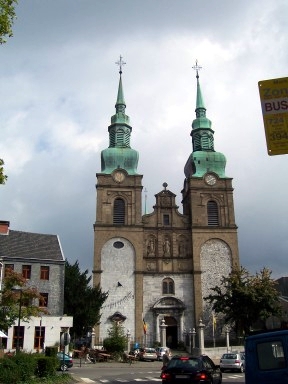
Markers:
(144, 327)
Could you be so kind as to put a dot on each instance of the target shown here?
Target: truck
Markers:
(266, 358)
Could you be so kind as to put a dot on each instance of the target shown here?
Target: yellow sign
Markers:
(274, 103)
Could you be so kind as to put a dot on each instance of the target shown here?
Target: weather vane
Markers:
(196, 67)
(120, 63)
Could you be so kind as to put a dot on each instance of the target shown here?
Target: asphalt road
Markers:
(119, 373)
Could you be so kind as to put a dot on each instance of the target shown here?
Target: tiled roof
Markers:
(30, 246)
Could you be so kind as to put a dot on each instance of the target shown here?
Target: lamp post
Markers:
(193, 337)
(128, 340)
(190, 340)
(184, 337)
(1, 279)
(18, 289)
(40, 334)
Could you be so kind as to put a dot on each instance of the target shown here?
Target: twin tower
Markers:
(161, 265)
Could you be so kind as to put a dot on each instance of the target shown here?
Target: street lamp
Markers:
(193, 337)
(128, 340)
(18, 289)
(190, 342)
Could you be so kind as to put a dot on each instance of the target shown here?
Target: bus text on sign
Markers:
(274, 103)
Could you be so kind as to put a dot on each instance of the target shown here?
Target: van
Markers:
(266, 358)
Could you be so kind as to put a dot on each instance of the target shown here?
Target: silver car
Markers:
(148, 354)
(234, 361)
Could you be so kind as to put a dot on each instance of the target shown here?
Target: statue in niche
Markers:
(167, 247)
(151, 247)
(182, 248)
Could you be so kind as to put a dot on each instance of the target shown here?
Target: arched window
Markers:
(212, 213)
(119, 211)
(168, 287)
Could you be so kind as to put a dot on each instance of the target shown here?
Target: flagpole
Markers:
(213, 328)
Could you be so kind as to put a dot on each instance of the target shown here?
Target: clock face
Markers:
(119, 176)
(210, 179)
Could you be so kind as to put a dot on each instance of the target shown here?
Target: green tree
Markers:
(11, 299)
(3, 177)
(81, 301)
(244, 299)
(116, 342)
(7, 17)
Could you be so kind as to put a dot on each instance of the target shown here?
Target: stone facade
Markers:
(164, 245)
(165, 261)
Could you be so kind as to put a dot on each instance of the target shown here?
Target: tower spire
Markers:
(119, 154)
(120, 103)
(200, 107)
(204, 158)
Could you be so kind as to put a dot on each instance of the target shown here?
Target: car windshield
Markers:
(229, 356)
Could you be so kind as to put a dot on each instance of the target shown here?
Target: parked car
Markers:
(190, 369)
(65, 363)
(233, 361)
(160, 352)
(148, 354)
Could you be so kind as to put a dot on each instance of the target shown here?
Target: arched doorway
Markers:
(171, 310)
(171, 332)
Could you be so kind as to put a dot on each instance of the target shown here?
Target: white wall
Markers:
(53, 327)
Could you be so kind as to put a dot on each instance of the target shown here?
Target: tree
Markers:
(3, 177)
(11, 299)
(244, 299)
(116, 340)
(81, 301)
(7, 17)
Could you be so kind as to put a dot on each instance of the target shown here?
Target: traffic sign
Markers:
(274, 103)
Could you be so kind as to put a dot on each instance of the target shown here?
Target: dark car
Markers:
(190, 369)
(64, 362)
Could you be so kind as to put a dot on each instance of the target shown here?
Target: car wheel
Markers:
(222, 369)
(241, 369)
(63, 367)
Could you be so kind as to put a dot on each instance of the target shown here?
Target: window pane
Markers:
(166, 220)
(44, 273)
(43, 301)
(26, 271)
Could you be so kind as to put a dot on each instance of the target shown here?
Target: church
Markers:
(159, 266)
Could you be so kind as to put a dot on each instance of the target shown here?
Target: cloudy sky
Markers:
(58, 89)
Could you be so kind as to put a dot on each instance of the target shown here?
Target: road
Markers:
(139, 372)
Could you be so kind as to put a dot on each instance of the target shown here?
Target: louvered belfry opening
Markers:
(119, 212)
(213, 214)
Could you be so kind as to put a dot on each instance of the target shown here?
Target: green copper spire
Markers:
(203, 158)
(119, 154)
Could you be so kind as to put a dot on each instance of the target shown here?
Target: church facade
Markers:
(161, 265)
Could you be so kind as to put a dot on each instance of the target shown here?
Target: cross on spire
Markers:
(196, 67)
(120, 63)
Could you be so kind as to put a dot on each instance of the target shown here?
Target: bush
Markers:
(117, 341)
(51, 351)
(9, 371)
(47, 366)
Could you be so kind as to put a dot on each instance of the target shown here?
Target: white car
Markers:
(148, 354)
(233, 361)
(160, 352)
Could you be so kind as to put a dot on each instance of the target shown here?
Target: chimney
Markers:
(4, 227)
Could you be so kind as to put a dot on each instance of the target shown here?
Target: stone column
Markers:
(93, 338)
(163, 327)
(201, 327)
